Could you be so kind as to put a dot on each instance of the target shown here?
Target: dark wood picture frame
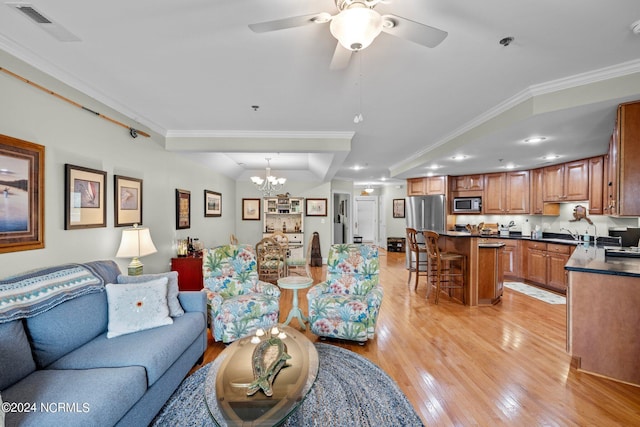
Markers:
(315, 207)
(183, 209)
(212, 203)
(85, 198)
(398, 208)
(127, 203)
(22, 180)
(251, 209)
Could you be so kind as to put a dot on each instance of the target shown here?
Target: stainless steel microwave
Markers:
(467, 204)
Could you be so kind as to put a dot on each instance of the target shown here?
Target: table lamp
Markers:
(136, 242)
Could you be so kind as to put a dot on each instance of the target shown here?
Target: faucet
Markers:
(574, 234)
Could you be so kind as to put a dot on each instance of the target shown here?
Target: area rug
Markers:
(532, 291)
(349, 391)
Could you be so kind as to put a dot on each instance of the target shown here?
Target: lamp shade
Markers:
(136, 242)
(356, 27)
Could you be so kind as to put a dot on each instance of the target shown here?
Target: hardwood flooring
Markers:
(480, 366)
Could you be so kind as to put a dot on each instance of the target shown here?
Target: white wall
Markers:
(71, 135)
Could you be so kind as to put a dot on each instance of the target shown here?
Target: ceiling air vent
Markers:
(33, 14)
(38, 18)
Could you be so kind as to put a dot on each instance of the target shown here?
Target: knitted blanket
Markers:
(29, 294)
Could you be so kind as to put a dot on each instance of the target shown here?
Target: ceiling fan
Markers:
(356, 25)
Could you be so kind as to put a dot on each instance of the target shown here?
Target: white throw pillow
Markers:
(175, 309)
(136, 307)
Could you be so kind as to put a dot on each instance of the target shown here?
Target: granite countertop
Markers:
(593, 259)
(588, 258)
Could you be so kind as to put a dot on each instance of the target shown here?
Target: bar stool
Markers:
(446, 269)
(418, 264)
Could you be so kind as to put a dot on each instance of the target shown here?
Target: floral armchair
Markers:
(346, 305)
(238, 303)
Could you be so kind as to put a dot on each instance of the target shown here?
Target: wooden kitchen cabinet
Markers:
(545, 264)
(506, 193)
(596, 185)
(623, 183)
(189, 273)
(467, 183)
(491, 275)
(427, 186)
(511, 258)
(537, 204)
(566, 182)
(557, 258)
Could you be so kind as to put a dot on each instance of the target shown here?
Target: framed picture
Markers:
(85, 198)
(183, 209)
(22, 200)
(315, 207)
(212, 203)
(398, 208)
(128, 201)
(251, 209)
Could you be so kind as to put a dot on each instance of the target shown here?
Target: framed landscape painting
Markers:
(212, 203)
(183, 209)
(22, 199)
(128, 201)
(85, 198)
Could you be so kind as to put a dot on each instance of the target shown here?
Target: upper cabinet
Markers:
(506, 193)
(467, 183)
(566, 182)
(596, 185)
(623, 183)
(431, 185)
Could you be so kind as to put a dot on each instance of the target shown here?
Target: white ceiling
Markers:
(191, 71)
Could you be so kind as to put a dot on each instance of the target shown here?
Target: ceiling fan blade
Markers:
(294, 21)
(413, 31)
(341, 58)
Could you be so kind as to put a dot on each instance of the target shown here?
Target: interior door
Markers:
(366, 219)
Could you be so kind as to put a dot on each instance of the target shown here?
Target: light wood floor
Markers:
(481, 366)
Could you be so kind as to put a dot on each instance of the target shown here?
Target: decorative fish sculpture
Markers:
(268, 358)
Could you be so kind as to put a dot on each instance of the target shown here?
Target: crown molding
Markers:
(241, 134)
(30, 58)
(590, 77)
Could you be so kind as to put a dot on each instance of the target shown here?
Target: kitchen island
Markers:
(603, 314)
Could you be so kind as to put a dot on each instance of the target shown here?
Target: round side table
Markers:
(294, 283)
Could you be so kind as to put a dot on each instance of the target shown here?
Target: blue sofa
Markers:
(59, 368)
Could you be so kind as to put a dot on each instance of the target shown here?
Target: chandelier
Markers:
(270, 185)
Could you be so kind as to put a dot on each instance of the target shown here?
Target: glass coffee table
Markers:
(295, 283)
(227, 382)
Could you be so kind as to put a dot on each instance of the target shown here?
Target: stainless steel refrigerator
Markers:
(425, 213)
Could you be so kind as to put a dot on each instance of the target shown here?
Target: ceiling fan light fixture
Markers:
(356, 27)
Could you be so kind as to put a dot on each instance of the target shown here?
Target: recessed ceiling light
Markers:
(434, 167)
(535, 139)
(357, 167)
(429, 173)
(550, 157)
(510, 166)
(459, 157)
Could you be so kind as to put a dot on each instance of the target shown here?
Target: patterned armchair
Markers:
(346, 305)
(238, 302)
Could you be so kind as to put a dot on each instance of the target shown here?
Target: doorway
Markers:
(366, 218)
(341, 218)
